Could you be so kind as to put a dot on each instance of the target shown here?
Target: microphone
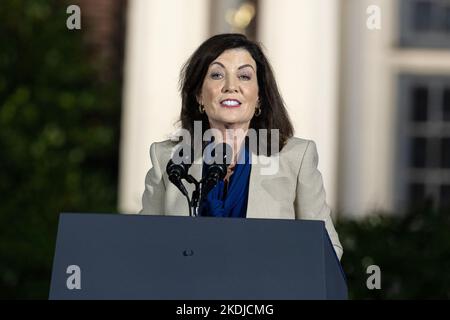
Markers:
(178, 166)
(221, 156)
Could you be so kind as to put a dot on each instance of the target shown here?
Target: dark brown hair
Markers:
(273, 112)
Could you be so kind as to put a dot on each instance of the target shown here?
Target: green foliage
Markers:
(412, 251)
(59, 130)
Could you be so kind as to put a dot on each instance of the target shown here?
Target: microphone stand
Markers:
(194, 203)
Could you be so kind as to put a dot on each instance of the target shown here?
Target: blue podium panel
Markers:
(103, 256)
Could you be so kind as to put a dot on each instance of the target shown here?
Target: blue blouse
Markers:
(232, 202)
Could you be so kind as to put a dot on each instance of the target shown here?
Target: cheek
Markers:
(252, 94)
(210, 91)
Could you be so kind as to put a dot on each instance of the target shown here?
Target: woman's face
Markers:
(230, 90)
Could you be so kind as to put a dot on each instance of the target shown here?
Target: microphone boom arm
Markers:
(195, 194)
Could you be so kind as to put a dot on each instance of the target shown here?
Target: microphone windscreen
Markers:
(181, 160)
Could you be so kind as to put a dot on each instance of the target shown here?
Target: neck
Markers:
(234, 135)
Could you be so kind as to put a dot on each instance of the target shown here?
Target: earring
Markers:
(258, 110)
(201, 108)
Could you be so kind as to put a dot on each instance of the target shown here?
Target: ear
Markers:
(199, 99)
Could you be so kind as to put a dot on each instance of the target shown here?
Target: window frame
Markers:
(433, 177)
(408, 37)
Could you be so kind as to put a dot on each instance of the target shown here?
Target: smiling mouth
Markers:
(230, 103)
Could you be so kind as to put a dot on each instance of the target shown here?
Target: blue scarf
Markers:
(235, 203)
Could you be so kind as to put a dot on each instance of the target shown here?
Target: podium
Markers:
(114, 256)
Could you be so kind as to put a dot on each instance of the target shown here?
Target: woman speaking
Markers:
(228, 88)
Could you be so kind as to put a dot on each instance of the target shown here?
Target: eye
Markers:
(216, 75)
(245, 77)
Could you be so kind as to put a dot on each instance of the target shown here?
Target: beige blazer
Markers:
(294, 190)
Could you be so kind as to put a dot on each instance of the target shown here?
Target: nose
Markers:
(230, 86)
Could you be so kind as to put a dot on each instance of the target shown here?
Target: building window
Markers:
(425, 23)
(423, 165)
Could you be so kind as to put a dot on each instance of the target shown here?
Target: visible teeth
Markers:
(230, 103)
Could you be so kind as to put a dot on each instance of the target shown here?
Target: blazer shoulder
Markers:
(161, 151)
(296, 147)
(293, 153)
(165, 144)
(295, 141)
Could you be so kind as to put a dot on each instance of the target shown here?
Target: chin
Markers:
(234, 121)
(231, 120)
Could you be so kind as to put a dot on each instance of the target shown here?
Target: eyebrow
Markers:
(241, 67)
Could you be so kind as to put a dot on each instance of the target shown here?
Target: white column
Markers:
(368, 109)
(301, 38)
(161, 35)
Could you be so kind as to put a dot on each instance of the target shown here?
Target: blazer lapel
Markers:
(257, 206)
